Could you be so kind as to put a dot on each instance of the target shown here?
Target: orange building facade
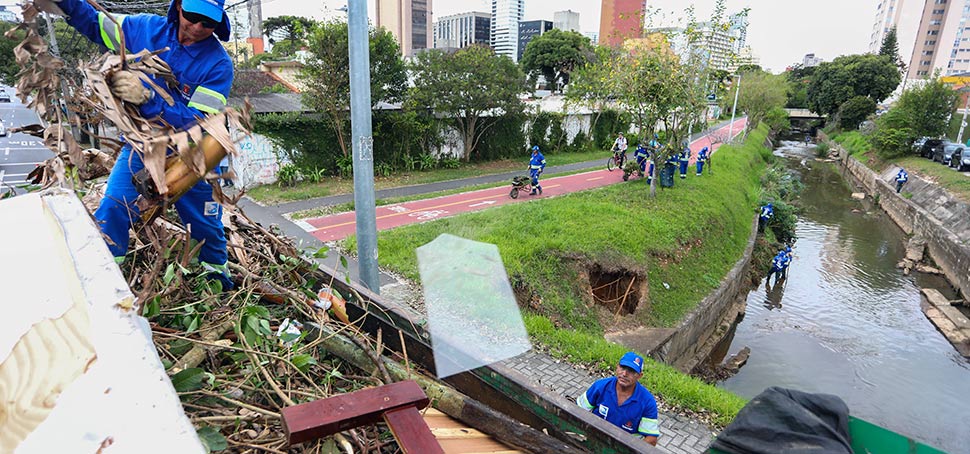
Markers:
(621, 20)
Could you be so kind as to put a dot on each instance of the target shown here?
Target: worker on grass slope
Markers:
(767, 212)
(536, 165)
(684, 159)
(701, 159)
(204, 73)
(642, 154)
(623, 401)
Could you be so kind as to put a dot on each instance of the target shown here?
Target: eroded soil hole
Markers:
(617, 291)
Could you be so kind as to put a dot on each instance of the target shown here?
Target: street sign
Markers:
(712, 97)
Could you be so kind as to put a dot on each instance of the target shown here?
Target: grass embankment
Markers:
(948, 178)
(274, 194)
(686, 239)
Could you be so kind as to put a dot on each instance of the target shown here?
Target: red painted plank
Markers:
(325, 417)
(411, 432)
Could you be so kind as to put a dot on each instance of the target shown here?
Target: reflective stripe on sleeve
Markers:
(583, 402)
(207, 101)
(649, 427)
(109, 31)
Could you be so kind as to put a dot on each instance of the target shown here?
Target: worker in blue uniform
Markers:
(767, 212)
(701, 159)
(623, 401)
(642, 154)
(901, 178)
(779, 265)
(684, 159)
(536, 165)
(191, 31)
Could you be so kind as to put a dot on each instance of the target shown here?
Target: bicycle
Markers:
(616, 161)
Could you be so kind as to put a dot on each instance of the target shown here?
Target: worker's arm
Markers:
(208, 97)
(651, 440)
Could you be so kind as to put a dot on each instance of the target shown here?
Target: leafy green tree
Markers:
(777, 120)
(920, 111)
(799, 78)
(760, 92)
(854, 111)
(555, 54)
(287, 34)
(8, 65)
(327, 73)
(846, 77)
(467, 86)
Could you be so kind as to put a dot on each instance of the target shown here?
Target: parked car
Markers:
(918, 144)
(4, 97)
(945, 153)
(929, 147)
(961, 160)
(3, 129)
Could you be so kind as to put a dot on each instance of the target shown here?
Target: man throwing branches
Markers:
(191, 31)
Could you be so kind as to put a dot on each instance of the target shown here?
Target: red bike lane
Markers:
(341, 225)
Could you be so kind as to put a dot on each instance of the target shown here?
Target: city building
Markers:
(745, 57)
(720, 46)
(504, 27)
(409, 21)
(246, 27)
(931, 35)
(528, 30)
(621, 20)
(460, 30)
(594, 37)
(810, 60)
(738, 29)
(566, 20)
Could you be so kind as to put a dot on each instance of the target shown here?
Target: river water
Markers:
(848, 322)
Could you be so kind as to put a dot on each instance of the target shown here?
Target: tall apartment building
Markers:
(566, 20)
(931, 34)
(460, 30)
(528, 30)
(409, 21)
(738, 29)
(621, 20)
(504, 36)
(720, 46)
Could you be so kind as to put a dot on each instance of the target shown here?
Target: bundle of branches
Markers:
(236, 357)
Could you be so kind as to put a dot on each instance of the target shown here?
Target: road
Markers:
(341, 225)
(19, 153)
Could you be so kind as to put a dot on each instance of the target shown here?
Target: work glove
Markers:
(127, 86)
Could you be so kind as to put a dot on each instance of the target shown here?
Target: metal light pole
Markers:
(363, 144)
(734, 110)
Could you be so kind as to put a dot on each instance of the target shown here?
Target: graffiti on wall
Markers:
(257, 162)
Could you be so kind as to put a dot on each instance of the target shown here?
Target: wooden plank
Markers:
(325, 417)
(412, 434)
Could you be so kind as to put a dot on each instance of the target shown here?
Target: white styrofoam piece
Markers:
(125, 396)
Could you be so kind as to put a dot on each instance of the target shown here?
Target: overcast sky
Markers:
(781, 32)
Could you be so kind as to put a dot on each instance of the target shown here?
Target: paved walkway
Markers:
(678, 434)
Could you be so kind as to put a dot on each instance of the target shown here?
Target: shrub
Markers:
(580, 141)
(557, 135)
(539, 130)
(288, 175)
(855, 111)
(606, 125)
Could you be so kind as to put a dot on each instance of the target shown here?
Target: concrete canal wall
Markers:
(931, 213)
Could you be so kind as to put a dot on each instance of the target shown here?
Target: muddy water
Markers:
(847, 322)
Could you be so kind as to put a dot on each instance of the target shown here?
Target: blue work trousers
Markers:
(197, 209)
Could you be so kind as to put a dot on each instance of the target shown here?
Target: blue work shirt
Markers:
(638, 415)
(902, 176)
(203, 70)
(702, 155)
(538, 161)
(767, 212)
(685, 156)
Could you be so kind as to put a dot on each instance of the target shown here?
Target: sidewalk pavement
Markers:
(679, 435)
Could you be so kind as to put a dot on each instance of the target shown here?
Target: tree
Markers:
(8, 64)
(854, 111)
(849, 76)
(327, 73)
(799, 78)
(555, 54)
(287, 34)
(760, 92)
(467, 86)
(920, 112)
(890, 48)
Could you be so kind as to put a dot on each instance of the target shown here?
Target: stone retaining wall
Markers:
(931, 213)
(692, 341)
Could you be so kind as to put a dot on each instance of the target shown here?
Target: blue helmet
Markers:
(704, 149)
(535, 148)
(787, 248)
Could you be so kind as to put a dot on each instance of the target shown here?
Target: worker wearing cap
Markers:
(701, 159)
(536, 165)
(191, 31)
(684, 159)
(623, 401)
